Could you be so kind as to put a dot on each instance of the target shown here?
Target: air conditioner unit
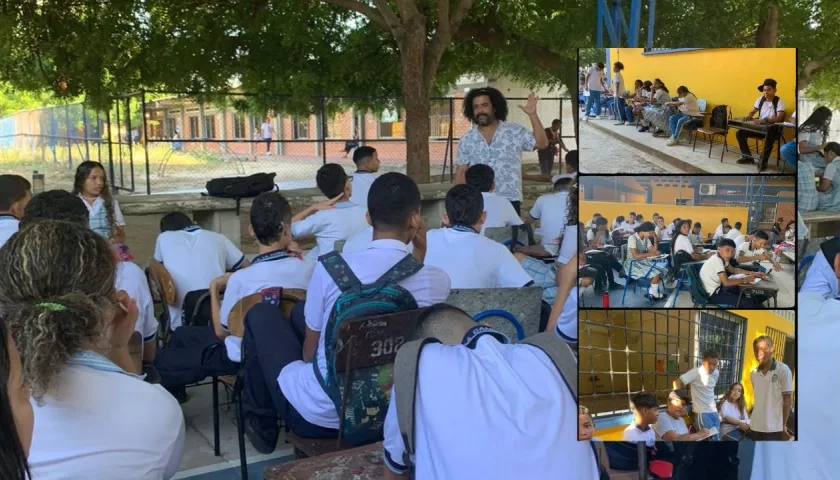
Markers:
(708, 189)
(681, 201)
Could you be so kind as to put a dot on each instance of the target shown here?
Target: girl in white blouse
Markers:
(734, 419)
(638, 264)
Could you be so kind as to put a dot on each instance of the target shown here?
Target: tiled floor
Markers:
(679, 156)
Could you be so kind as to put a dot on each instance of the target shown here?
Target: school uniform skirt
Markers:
(830, 201)
(659, 118)
(642, 269)
(544, 275)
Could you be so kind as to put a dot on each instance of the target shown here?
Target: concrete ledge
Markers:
(821, 223)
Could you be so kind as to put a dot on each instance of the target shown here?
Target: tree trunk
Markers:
(767, 34)
(416, 100)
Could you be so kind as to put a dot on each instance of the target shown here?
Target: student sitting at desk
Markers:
(596, 237)
(695, 236)
(813, 137)
(828, 197)
(682, 243)
(591, 223)
(771, 111)
(714, 275)
(671, 426)
(639, 249)
(724, 232)
(753, 251)
(500, 212)
(719, 230)
(645, 415)
(735, 421)
(790, 232)
(617, 223)
(688, 108)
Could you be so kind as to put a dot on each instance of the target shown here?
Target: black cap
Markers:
(769, 82)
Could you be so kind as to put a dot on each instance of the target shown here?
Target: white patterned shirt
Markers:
(503, 155)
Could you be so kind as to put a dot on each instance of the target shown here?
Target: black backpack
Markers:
(238, 188)
(775, 105)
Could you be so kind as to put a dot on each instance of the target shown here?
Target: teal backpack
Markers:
(368, 399)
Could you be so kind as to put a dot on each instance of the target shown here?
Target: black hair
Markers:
(645, 227)
(438, 320)
(697, 224)
(13, 463)
(656, 214)
(638, 82)
(639, 216)
(677, 233)
(644, 400)
(500, 107)
(682, 395)
(726, 242)
(676, 220)
(600, 65)
(711, 354)
(174, 221)
(738, 225)
(362, 153)
(83, 171)
(817, 121)
(791, 222)
(56, 205)
(726, 226)
(572, 208)
(331, 180)
(724, 221)
(683, 88)
(392, 199)
(556, 121)
(464, 205)
(762, 235)
(647, 85)
(832, 147)
(572, 159)
(587, 272)
(619, 65)
(598, 221)
(270, 214)
(632, 213)
(13, 189)
(563, 183)
(620, 218)
(480, 176)
(596, 214)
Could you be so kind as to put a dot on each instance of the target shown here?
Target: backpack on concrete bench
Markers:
(406, 369)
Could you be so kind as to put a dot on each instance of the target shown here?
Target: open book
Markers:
(741, 275)
(712, 431)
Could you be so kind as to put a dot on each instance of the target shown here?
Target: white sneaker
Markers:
(628, 123)
(671, 142)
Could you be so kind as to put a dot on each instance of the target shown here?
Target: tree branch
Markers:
(814, 66)
(384, 19)
(448, 25)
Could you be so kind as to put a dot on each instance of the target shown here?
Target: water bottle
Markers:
(605, 300)
(37, 182)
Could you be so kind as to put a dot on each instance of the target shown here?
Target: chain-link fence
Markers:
(169, 142)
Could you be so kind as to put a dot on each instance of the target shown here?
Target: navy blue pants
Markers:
(271, 342)
(729, 296)
(193, 354)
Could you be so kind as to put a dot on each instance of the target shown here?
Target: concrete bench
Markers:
(523, 303)
(821, 223)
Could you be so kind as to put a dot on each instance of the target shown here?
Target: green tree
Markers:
(363, 50)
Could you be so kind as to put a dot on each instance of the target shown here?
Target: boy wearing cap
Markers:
(771, 111)
(550, 211)
(671, 427)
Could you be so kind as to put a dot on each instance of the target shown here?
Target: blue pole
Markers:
(651, 13)
(616, 17)
(599, 29)
(635, 19)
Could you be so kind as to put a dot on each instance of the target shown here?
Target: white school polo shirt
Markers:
(739, 240)
(808, 458)
(767, 110)
(550, 210)
(8, 227)
(709, 273)
(733, 234)
(820, 277)
(475, 407)
(362, 240)
(194, 257)
(767, 392)
(702, 388)
(666, 423)
(327, 226)
(635, 433)
(297, 380)
(98, 423)
(273, 269)
(472, 260)
(626, 226)
(748, 251)
(567, 324)
(500, 212)
(682, 243)
(132, 279)
(718, 231)
(361, 187)
(99, 204)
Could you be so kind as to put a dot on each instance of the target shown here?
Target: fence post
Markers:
(67, 134)
(119, 142)
(130, 135)
(146, 141)
(323, 130)
(451, 142)
(110, 149)
(85, 127)
(560, 136)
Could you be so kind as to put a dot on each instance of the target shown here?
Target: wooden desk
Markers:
(761, 129)
(767, 286)
(361, 463)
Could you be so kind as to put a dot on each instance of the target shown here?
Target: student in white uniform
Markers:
(62, 205)
(193, 257)
(682, 242)
(662, 233)
(719, 230)
(367, 165)
(645, 415)
(714, 275)
(472, 390)
(808, 458)
(772, 383)
(360, 241)
(735, 421)
(14, 195)
(617, 223)
(550, 211)
(94, 416)
(740, 240)
(724, 233)
(670, 426)
(637, 264)
(753, 251)
(696, 234)
(702, 381)
(15, 411)
(629, 225)
(500, 212)
(591, 223)
(822, 276)
(337, 218)
(280, 378)
(471, 260)
(586, 433)
(196, 352)
(734, 232)
(106, 218)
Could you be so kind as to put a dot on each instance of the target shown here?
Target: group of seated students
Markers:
(816, 161)
(71, 302)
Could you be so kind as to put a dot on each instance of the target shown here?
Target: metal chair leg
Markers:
(216, 446)
(240, 433)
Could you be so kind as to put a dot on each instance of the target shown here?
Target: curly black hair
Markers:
(464, 205)
(270, 212)
(497, 99)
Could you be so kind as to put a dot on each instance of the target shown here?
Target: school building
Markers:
(721, 76)
(755, 201)
(624, 352)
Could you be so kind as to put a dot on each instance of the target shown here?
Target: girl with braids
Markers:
(106, 219)
(15, 411)
(93, 417)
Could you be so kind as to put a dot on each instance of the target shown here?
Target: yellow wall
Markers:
(722, 76)
(708, 216)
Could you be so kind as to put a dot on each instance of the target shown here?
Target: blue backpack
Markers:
(371, 387)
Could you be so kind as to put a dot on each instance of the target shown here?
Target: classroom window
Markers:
(391, 124)
(300, 128)
(634, 351)
(194, 133)
(768, 213)
(239, 126)
(210, 126)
